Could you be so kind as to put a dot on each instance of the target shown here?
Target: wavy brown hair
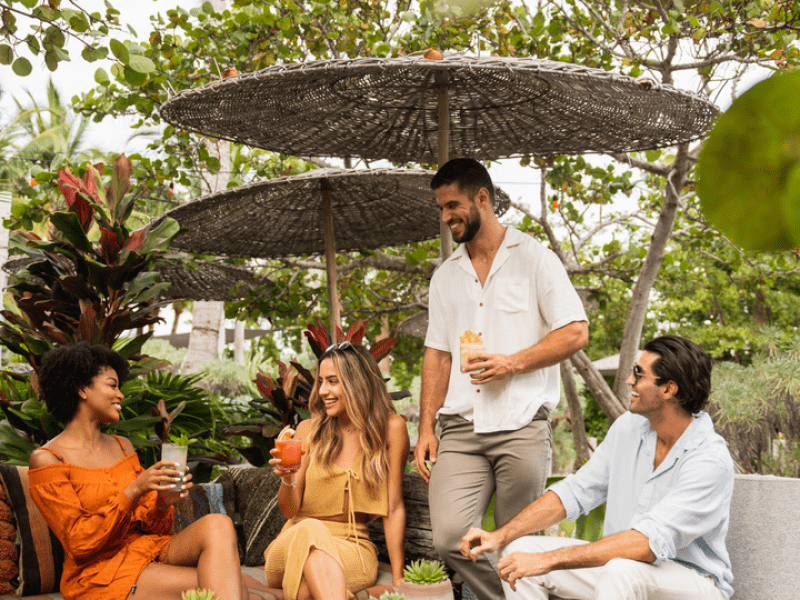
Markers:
(368, 407)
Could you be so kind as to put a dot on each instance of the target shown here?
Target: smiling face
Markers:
(103, 397)
(331, 391)
(648, 393)
(459, 212)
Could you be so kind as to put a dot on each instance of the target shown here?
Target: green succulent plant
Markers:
(425, 572)
(198, 594)
(390, 596)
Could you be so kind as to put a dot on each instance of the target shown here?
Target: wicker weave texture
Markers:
(282, 217)
(201, 281)
(387, 109)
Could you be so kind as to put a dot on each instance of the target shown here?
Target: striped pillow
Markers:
(41, 557)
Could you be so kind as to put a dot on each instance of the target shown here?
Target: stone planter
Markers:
(435, 591)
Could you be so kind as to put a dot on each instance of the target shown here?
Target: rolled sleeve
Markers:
(697, 503)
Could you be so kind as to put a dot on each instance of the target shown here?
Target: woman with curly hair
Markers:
(355, 451)
(113, 517)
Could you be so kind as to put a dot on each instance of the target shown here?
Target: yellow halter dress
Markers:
(328, 493)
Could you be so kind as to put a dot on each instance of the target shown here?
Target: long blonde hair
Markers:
(368, 406)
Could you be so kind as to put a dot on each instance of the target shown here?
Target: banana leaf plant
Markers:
(284, 399)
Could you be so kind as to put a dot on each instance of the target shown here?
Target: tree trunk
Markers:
(575, 415)
(208, 318)
(238, 342)
(597, 385)
(632, 334)
(204, 338)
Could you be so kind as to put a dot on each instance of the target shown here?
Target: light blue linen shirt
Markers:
(683, 506)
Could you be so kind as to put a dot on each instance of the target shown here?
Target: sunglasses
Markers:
(638, 373)
(342, 346)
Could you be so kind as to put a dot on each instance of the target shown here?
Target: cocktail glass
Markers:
(176, 453)
(290, 453)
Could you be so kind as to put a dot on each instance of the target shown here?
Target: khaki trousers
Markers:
(619, 579)
(470, 468)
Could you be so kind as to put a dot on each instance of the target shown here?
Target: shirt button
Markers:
(481, 304)
(476, 281)
(478, 390)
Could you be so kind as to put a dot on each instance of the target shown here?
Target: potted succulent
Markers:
(389, 596)
(426, 579)
(198, 594)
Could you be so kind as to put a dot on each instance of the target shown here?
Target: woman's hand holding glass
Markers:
(163, 477)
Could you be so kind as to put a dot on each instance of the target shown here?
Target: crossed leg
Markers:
(203, 555)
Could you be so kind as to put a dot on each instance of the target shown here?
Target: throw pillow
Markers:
(203, 499)
(41, 557)
(257, 505)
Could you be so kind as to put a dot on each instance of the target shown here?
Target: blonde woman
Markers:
(355, 451)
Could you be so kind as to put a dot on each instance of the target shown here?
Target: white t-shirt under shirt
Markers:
(526, 296)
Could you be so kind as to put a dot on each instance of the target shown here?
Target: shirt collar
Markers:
(513, 237)
(697, 431)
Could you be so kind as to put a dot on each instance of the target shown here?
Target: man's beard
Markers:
(471, 226)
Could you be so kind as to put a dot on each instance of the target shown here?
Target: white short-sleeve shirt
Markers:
(526, 296)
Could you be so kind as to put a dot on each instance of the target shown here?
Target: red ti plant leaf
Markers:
(382, 348)
(355, 335)
(318, 338)
(28, 235)
(120, 184)
(75, 193)
(109, 245)
(135, 241)
(87, 326)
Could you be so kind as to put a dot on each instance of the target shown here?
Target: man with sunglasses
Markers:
(667, 480)
(494, 417)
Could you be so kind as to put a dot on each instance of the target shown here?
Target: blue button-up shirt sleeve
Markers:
(697, 504)
(588, 488)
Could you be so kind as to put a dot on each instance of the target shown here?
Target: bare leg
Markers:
(208, 551)
(323, 578)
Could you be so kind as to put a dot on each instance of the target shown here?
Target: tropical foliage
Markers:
(284, 399)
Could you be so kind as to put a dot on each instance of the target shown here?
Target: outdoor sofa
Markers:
(763, 541)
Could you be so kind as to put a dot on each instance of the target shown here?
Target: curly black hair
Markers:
(687, 364)
(68, 369)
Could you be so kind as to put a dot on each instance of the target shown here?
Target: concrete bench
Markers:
(764, 538)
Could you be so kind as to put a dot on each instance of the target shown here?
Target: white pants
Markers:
(619, 579)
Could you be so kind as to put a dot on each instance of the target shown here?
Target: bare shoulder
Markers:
(303, 429)
(126, 444)
(397, 430)
(41, 458)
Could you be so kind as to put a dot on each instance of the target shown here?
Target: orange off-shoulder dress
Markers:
(108, 540)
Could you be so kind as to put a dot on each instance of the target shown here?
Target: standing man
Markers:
(667, 478)
(495, 419)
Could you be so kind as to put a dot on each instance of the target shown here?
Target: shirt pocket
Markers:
(513, 294)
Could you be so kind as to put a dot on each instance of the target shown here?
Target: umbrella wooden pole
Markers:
(443, 149)
(330, 260)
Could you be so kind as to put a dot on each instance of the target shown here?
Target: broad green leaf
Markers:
(141, 64)
(101, 77)
(119, 50)
(22, 67)
(69, 225)
(652, 155)
(133, 77)
(747, 170)
(208, 8)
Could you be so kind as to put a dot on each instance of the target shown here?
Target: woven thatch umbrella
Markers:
(203, 281)
(288, 216)
(411, 109)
